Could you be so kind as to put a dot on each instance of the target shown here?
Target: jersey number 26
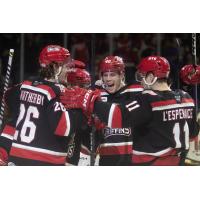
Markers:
(28, 129)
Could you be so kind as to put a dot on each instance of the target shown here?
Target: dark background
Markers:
(91, 48)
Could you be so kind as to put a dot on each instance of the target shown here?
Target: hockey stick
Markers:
(92, 133)
(193, 154)
(194, 62)
(6, 84)
(179, 59)
(194, 49)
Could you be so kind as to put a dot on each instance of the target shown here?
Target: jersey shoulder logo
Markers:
(133, 105)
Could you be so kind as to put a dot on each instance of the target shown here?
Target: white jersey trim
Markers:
(43, 91)
(116, 144)
(111, 115)
(104, 94)
(133, 105)
(7, 136)
(20, 146)
(132, 90)
(68, 124)
(159, 153)
(182, 105)
(149, 92)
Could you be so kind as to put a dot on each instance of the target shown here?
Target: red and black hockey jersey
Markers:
(112, 147)
(41, 124)
(162, 121)
(115, 144)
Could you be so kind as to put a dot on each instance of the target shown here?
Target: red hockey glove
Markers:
(69, 98)
(80, 98)
(190, 74)
(88, 101)
(3, 157)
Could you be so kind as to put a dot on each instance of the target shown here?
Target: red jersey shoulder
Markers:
(168, 99)
(51, 90)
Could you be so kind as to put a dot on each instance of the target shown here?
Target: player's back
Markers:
(170, 124)
(35, 141)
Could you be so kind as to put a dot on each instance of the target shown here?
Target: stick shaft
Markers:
(194, 49)
(6, 84)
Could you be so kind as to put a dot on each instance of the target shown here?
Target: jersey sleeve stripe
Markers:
(63, 128)
(135, 89)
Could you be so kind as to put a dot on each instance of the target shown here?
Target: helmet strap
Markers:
(149, 84)
(123, 82)
(57, 74)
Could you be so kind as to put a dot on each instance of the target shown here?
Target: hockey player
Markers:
(80, 142)
(190, 75)
(114, 144)
(78, 77)
(43, 126)
(115, 90)
(163, 120)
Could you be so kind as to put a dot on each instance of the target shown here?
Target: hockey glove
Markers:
(88, 100)
(80, 98)
(190, 74)
(69, 98)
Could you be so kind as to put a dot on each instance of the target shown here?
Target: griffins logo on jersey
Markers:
(116, 131)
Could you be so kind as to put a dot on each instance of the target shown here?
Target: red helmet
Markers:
(78, 77)
(190, 74)
(53, 53)
(79, 64)
(112, 63)
(158, 65)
